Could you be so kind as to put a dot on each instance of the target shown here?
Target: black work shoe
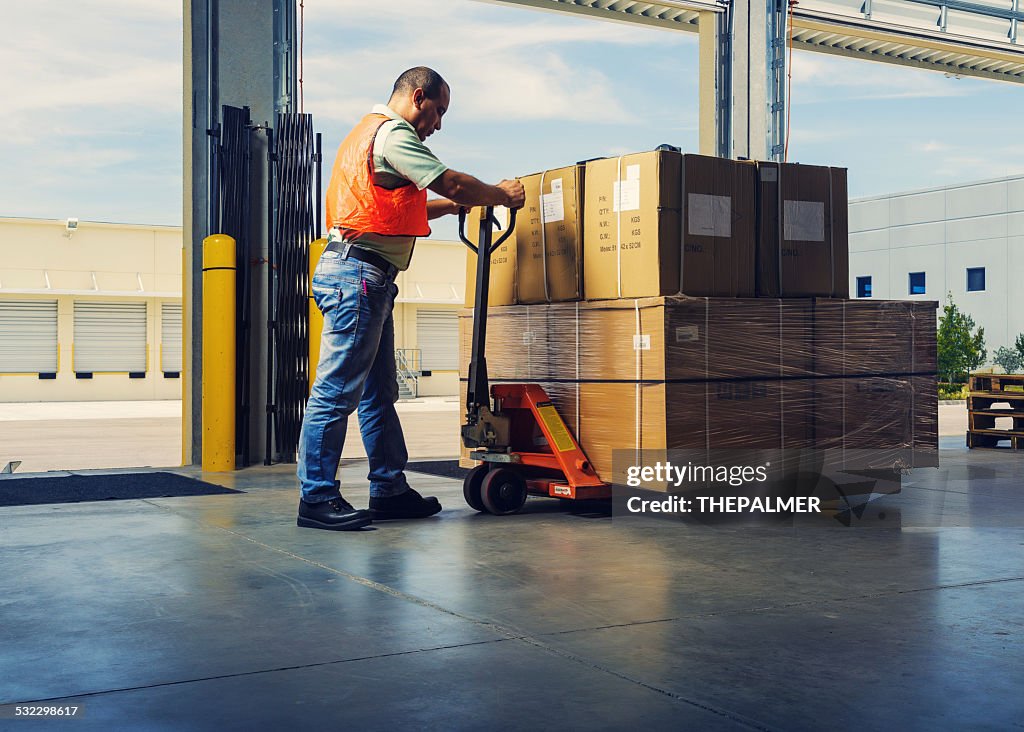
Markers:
(408, 505)
(336, 514)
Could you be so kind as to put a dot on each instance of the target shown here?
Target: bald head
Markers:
(419, 77)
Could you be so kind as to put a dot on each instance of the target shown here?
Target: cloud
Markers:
(932, 146)
(103, 54)
(92, 108)
(501, 62)
(965, 166)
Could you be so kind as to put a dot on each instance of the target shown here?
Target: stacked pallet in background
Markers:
(995, 397)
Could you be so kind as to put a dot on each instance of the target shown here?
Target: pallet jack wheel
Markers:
(503, 491)
(471, 487)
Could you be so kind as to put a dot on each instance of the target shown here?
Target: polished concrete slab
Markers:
(217, 612)
(97, 435)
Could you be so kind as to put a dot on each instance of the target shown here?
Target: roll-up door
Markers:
(437, 334)
(110, 336)
(28, 336)
(170, 337)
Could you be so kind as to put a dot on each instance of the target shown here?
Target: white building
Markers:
(93, 311)
(967, 240)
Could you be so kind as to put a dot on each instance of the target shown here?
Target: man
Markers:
(376, 207)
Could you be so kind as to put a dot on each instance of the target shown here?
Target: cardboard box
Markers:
(516, 343)
(802, 233)
(874, 337)
(681, 338)
(631, 226)
(634, 207)
(719, 227)
(549, 237)
(721, 374)
(502, 280)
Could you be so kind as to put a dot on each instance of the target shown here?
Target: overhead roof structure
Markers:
(953, 36)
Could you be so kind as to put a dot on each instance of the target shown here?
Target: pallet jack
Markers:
(514, 429)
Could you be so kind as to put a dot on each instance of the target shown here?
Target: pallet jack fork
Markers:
(514, 429)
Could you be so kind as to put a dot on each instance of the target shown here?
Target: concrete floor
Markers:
(91, 435)
(95, 435)
(216, 612)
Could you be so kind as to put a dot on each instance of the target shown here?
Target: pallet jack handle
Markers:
(478, 391)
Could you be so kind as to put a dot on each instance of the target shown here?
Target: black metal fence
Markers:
(234, 153)
(295, 213)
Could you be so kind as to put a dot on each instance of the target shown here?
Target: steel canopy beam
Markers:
(843, 35)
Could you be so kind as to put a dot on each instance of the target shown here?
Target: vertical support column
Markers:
(285, 58)
(777, 78)
(228, 60)
(753, 33)
(708, 83)
(723, 92)
(199, 116)
(218, 387)
(316, 318)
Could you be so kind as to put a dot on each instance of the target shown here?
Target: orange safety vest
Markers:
(355, 203)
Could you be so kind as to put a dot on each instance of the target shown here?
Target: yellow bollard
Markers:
(316, 318)
(218, 353)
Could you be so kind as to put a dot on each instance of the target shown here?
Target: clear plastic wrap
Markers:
(853, 378)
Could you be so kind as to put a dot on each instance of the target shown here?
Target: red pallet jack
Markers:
(525, 446)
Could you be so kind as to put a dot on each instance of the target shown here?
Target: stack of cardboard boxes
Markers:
(681, 301)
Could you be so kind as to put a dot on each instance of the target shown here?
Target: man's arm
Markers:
(439, 207)
(465, 190)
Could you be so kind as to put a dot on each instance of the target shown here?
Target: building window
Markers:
(864, 287)
(916, 283)
(975, 279)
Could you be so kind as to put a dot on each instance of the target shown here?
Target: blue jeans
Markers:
(356, 371)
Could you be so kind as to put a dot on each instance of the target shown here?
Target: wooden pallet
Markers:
(997, 383)
(985, 419)
(985, 400)
(987, 391)
(991, 439)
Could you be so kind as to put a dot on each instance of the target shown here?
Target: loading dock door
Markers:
(110, 337)
(28, 336)
(437, 336)
(170, 337)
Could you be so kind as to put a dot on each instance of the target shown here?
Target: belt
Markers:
(351, 251)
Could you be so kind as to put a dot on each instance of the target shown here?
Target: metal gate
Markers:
(295, 186)
(233, 155)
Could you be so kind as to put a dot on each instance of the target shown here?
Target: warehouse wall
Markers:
(97, 263)
(942, 232)
(103, 262)
(435, 281)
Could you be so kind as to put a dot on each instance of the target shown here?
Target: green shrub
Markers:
(952, 391)
(961, 348)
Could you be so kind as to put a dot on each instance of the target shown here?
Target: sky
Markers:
(93, 105)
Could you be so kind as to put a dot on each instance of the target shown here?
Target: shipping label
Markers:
(709, 215)
(626, 194)
(803, 221)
